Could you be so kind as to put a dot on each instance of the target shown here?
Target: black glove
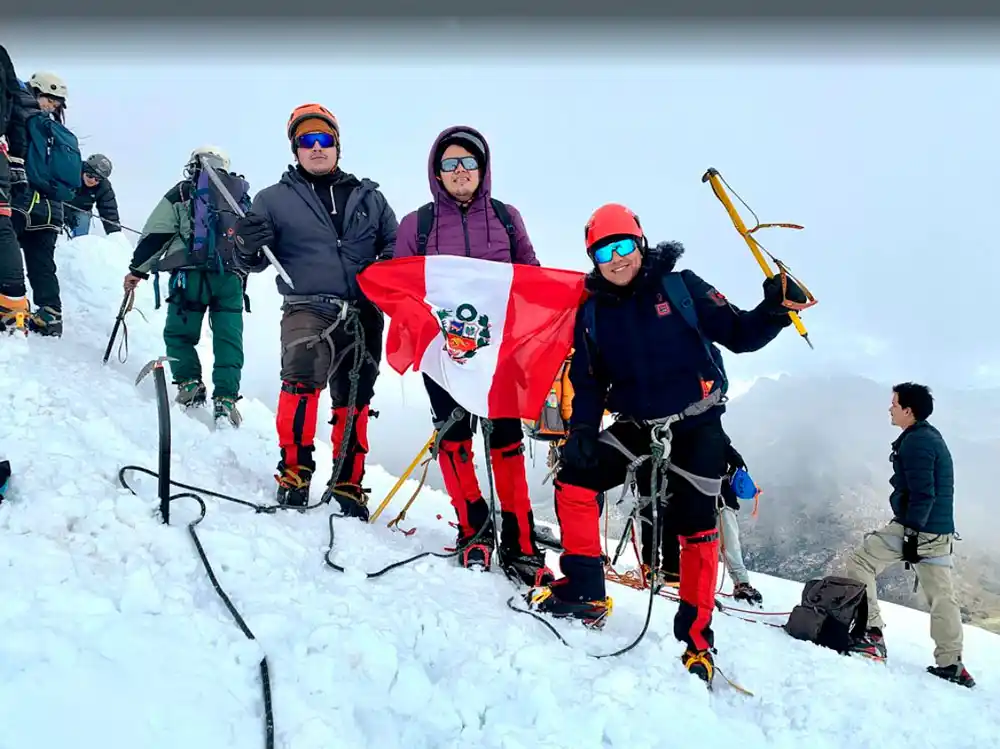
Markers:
(910, 554)
(580, 450)
(774, 297)
(734, 460)
(253, 231)
(371, 261)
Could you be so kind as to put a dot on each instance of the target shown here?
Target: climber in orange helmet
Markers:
(324, 226)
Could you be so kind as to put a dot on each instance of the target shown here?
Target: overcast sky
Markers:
(886, 161)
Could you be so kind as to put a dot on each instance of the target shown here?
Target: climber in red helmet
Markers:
(639, 353)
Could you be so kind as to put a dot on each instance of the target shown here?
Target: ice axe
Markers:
(239, 212)
(715, 179)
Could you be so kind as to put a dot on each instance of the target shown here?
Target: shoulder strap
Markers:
(504, 215)
(680, 297)
(425, 221)
(589, 310)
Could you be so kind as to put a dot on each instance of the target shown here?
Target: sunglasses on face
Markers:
(468, 163)
(308, 140)
(622, 248)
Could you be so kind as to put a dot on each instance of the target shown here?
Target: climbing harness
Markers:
(714, 178)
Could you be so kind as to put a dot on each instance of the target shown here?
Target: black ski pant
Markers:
(39, 246)
(11, 266)
(698, 446)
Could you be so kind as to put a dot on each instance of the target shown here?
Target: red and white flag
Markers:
(491, 334)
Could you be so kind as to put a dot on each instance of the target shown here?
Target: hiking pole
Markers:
(104, 220)
(239, 212)
(402, 479)
(713, 177)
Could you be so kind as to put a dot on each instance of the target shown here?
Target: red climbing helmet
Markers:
(610, 220)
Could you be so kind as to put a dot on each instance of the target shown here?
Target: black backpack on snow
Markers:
(425, 222)
(833, 612)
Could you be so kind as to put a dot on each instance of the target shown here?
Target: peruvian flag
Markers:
(491, 334)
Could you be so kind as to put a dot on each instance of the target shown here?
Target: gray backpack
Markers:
(833, 612)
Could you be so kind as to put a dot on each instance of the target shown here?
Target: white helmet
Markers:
(49, 84)
(215, 152)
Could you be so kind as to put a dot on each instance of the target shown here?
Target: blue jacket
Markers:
(642, 360)
(923, 480)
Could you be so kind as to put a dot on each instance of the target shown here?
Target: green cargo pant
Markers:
(192, 292)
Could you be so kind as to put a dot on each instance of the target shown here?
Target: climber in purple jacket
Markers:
(464, 219)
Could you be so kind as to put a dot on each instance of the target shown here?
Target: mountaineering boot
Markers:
(700, 663)
(225, 410)
(190, 393)
(293, 486)
(660, 579)
(352, 498)
(545, 600)
(956, 674)
(46, 321)
(747, 592)
(476, 536)
(529, 569)
(14, 313)
(518, 555)
(871, 645)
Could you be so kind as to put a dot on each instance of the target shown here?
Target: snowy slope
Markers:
(112, 635)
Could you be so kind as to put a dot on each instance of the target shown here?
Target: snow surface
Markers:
(112, 636)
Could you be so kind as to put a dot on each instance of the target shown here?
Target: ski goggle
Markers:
(308, 140)
(622, 248)
(468, 163)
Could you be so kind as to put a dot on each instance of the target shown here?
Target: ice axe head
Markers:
(150, 366)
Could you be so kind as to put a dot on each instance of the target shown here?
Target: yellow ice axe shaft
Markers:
(712, 177)
(402, 479)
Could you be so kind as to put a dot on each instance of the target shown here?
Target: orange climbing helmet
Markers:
(311, 111)
(611, 220)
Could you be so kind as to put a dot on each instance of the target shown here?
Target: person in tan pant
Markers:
(921, 533)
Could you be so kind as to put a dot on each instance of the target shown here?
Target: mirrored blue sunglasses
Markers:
(622, 248)
(308, 140)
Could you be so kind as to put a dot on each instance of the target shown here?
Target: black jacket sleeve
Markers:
(723, 322)
(385, 240)
(588, 379)
(918, 456)
(107, 207)
(23, 106)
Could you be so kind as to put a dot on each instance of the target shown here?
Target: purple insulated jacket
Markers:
(487, 239)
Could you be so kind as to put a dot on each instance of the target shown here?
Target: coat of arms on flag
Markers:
(465, 331)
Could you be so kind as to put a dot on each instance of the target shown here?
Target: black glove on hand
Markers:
(774, 297)
(253, 232)
(734, 460)
(910, 546)
(580, 450)
(371, 261)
